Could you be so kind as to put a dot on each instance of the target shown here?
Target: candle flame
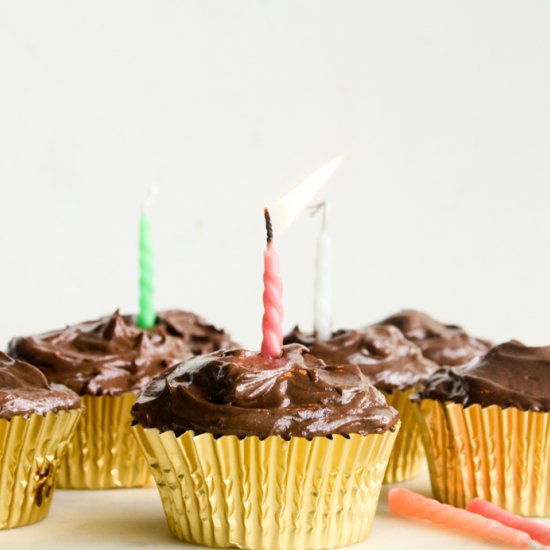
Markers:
(149, 199)
(286, 209)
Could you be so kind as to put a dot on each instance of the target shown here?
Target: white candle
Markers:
(323, 284)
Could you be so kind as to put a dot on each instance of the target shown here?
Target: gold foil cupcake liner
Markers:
(267, 494)
(30, 452)
(407, 455)
(103, 453)
(499, 455)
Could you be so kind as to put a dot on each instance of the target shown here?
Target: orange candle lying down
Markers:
(537, 531)
(413, 505)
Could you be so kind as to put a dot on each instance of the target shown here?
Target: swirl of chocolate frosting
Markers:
(510, 375)
(239, 392)
(25, 390)
(112, 355)
(381, 352)
(446, 345)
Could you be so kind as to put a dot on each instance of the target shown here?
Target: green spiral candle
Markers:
(147, 315)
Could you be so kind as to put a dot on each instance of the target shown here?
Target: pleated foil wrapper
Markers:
(407, 455)
(103, 453)
(30, 452)
(499, 455)
(267, 494)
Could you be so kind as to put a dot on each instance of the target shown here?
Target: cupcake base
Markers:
(407, 455)
(267, 494)
(30, 452)
(103, 453)
(499, 455)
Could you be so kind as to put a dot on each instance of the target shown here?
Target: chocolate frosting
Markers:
(24, 390)
(446, 345)
(381, 352)
(239, 392)
(510, 375)
(112, 355)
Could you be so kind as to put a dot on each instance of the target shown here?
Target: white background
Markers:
(442, 204)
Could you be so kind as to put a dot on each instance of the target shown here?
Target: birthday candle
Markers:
(285, 211)
(147, 315)
(323, 284)
(272, 322)
(537, 531)
(407, 503)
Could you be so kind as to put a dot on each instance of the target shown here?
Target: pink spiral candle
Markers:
(407, 503)
(537, 531)
(272, 322)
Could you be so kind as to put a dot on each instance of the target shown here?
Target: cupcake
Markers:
(446, 345)
(108, 362)
(395, 366)
(486, 430)
(258, 453)
(37, 420)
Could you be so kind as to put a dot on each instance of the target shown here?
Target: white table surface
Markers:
(133, 518)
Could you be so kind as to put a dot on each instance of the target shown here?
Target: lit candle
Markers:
(147, 315)
(272, 322)
(323, 284)
(537, 531)
(284, 212)
(413, 505)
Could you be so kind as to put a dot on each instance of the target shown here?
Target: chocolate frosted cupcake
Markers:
(108, 362)
(37, 420)
(486, 430)
(112, 356)
(446, 345)
(390, 361)
(284, 453)
(395, 366)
